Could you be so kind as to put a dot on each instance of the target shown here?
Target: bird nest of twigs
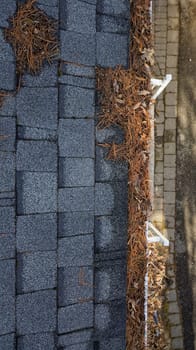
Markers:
(33, 36)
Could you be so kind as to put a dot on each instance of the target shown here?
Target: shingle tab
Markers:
(8, 75)
(7, 277)
(76, 138)
(36, 232)
(47, 77)
(8, 8)
(104, 199)
(84, 346)
(112, 49)
(36, 156)
(111, 24)
(36, 271)
(77, 47)
(75, 251)
(114, 7)
(75, 317)
(31, 107)
(110, 281)
(71, 224)
(78, 16)
(7, 314)
(41, 341)
(76, 172)
(76, 199)
(113, 344)
(37, 192)
(36, 312)
(7, 246)
(7, 342)
(7, 134)
(75, 284)
(78, 337)
(110, 233)
(76, 102)
(7, 171)
(77, 70)
(26, 133)
(7, 220)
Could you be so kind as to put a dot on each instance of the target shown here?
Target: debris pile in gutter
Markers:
(125, 96)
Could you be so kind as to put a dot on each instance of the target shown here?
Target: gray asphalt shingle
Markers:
(7, 246)
(82, 82)
(36, 271)
(76, 102)
(31, 107)
(77, 223)
(7, 342)
(36, 312)
(104, 199)
(76, 199)
(7, 171)
(75, 317)
(77, 337)
(7, 134)
(110, 233)
(110, 280)
(78, 48)
(75, 251)
(77, 70)
(113, 344)
(76, 138)
(9, 106)
(7, 314)
(8, 75)
(7, 277)
(114, 7)
(36, 156)
(7, 220)
(75, 284)
(8, 7)
(77, 16)
(47, 77)
(112, 49)
(83, 346)
(36, 232)
(41, 341)
(26, 133)
(110, 24)
(76, 172)
(37, 192)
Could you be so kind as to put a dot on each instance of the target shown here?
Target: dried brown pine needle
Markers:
(33, 37)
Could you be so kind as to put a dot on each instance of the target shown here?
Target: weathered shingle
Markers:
(76, 172)
(76, 223)
(41, 341)
(7, 134)
(112, 49)
(7, 277)
(75, 317)
(7, 342)
(7, 171)
(7, 314)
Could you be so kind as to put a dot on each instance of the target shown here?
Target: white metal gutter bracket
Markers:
(162, 85)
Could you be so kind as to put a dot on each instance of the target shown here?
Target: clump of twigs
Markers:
(33, 37)
(125, 97)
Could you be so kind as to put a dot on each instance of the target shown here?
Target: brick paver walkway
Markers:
(62, 206)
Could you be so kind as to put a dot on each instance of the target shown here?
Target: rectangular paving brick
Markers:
(76, 138)
(78, 47)
(7, 314)
(44, 341)
(7, 342)
(78, 16)
(36, 232)
(7, 171)
(76, 199)
(47, 77)
(8, 76)
(111, 24)
(75, 285)
(7, 134)
(110, 233)
(7, 246)
(76, 223)
(26, 133)
(76, 172)
(75, 251)
(76, 102)
(112, 49)
(8, 8)
(75, 317)
(36, 312)
(77, 337)
(36, 271)
(111, 274)
(82, 82)
(36, 156)
(7, 220)
(108, 170)
(110, 320)
(7, 277)
(37, 193)
(114, 7)
(31, 107)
